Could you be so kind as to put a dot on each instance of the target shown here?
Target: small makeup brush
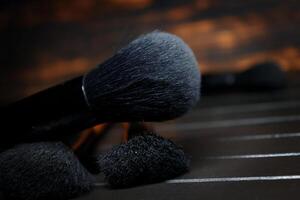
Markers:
(145, 158)
(262, 76)
(153, 78)
(41, 171)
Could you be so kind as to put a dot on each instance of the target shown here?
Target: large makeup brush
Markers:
(154, 78)
(41, 171)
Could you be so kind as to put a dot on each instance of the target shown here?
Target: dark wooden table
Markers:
(243, 146)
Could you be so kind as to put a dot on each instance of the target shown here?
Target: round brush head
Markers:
(42, 171)
(154, 78)
(267, 75)
(144, 159)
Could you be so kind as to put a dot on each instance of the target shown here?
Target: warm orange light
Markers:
(97, 130)
(131, 4)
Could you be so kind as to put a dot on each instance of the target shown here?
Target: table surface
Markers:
(244, 145)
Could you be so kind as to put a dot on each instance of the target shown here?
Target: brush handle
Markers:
(58, 110)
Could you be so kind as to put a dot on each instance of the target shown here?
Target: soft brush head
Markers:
(42, 171)
(154, 78)
(144, 159)
(262, 76)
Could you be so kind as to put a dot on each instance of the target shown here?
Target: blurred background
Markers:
(45, 42)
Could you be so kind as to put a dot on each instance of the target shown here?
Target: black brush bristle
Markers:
(144, 159)
(261, 76)
(156, 77)
(42, 171)
(266, 75)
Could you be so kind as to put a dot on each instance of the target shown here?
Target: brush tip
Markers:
(144, 159)
(154, 78)
(42, 171)
(261, 76)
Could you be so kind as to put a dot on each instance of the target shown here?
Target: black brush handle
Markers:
(60, 109)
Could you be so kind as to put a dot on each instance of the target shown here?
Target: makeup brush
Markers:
(262, 76)
(41, 171)
(153, 78)
(145, 158)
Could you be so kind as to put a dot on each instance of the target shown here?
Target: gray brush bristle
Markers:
(156, 77)
(42, 171)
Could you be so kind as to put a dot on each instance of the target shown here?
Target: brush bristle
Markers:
(154, 78)
(266, 75)
(144, 159)
(42, 171)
